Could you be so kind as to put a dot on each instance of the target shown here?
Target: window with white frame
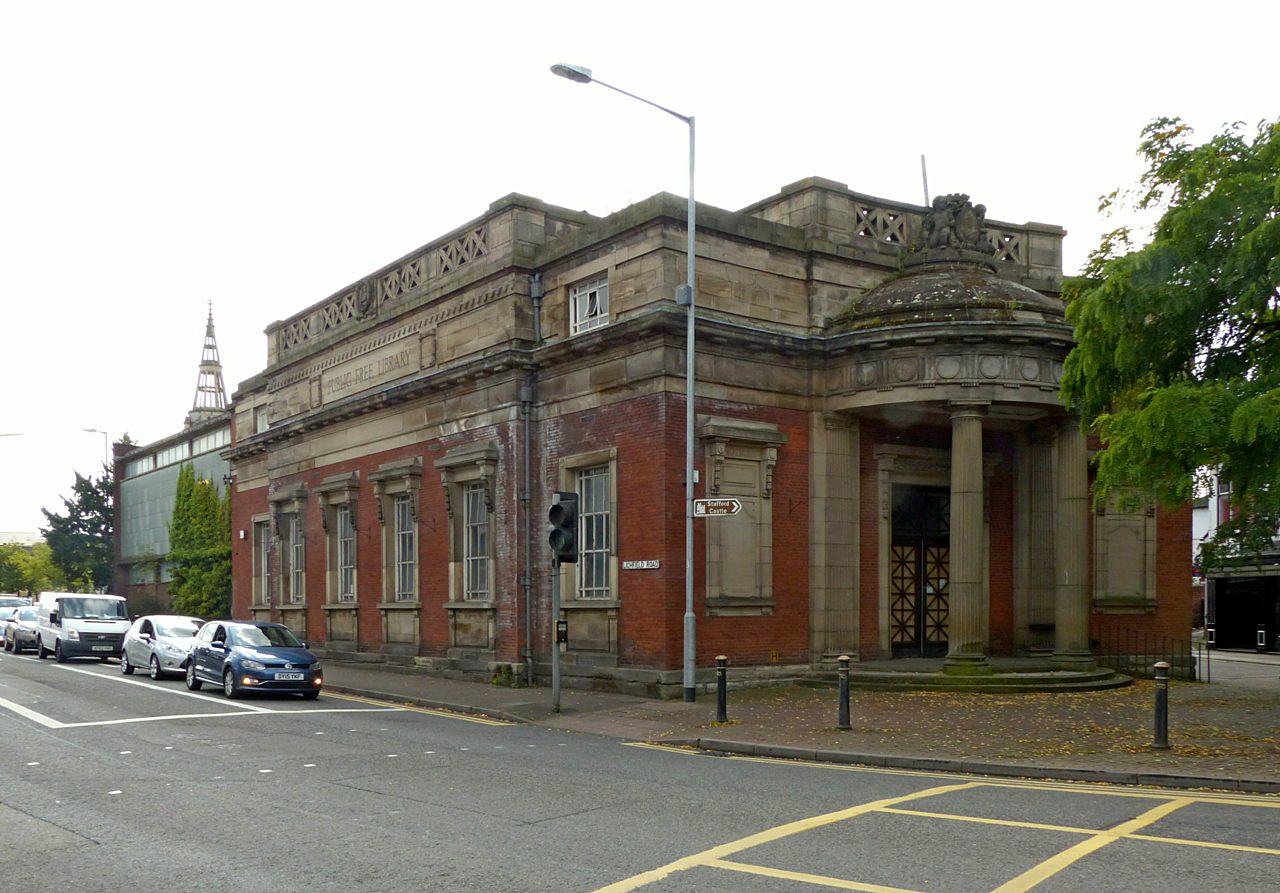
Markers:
(337, 495)
(288, 505)
(135, 467)
(397, 488)
(297, 565)
(261, 562)
(211, 441)
(346, 554)
(468, 475)
(594, 525)
(589, 305)
(476, 536)
(406, 539)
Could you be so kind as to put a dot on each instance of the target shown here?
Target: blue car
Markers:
(245, 657)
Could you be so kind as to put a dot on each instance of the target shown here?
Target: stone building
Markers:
(877, 385)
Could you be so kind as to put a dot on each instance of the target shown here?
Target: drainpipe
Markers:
(526, 484)
(535, 292)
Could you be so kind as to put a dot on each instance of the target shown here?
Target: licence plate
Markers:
(101, 647)
(290, 677)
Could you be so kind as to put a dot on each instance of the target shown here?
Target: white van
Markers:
(80, 624)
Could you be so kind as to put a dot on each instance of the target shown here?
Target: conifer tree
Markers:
(200, 548)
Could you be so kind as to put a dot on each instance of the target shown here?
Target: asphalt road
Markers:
(113, 783)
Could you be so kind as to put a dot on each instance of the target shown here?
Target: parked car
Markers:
(20, 629)
(8, 603)
(256, 656)
(5, 614)
(160, 642)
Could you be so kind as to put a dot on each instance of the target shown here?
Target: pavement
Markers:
(1223, 733)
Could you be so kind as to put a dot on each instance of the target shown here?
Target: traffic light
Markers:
(564, 527)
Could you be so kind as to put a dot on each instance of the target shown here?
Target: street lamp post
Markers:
(684, 295)
(106, 450)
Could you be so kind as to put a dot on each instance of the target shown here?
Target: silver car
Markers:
(19, 628)
(160, 643)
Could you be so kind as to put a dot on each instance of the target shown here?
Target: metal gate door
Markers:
(919, 571)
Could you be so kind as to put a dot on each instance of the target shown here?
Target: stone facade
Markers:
(856, 362)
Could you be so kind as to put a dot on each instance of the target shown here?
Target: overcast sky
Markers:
(262, 155)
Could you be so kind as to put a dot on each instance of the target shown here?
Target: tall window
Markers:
(262, 562)
(589, 304)
(476, 525)
(406, 549)
(297, 589)
(593, 532)
(346, 554)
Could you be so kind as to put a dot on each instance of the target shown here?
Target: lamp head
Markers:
(574, 73)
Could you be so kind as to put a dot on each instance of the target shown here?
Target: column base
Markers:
(967, 665)
(1077, 661)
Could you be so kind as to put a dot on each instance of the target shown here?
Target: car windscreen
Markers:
(177, 629)
(90, 608)
(264, 637)
(26, 613)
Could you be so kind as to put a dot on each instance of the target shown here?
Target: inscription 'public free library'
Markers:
(368, 370)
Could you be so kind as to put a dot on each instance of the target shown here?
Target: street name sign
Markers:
(711, 508)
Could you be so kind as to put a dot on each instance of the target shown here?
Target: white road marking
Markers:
(30, 714)
(50, 723)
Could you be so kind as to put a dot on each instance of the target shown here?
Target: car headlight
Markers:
(73, 634)
(170, 649)
(315, 667)
(248, 664)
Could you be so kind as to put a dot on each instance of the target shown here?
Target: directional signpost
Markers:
(712, 508)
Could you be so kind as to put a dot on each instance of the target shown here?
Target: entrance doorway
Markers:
(919, 571)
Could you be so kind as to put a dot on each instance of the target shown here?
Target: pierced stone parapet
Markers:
(366, 299)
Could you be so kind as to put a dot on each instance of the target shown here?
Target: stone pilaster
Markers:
(833, 544)
(1071, 558)
(966, 653)
(1041, 577)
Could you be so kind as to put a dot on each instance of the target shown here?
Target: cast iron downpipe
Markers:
(527, 393)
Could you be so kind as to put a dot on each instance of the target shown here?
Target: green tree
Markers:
(1177, 362)
(29, 569)
(200, 548)
(81, 539)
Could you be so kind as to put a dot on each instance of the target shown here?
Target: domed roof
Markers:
(953, 277)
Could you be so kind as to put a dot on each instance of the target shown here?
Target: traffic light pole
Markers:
(555, 638)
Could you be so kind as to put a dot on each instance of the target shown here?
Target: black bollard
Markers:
(722, 688)
(843, 722)
(1162, 706)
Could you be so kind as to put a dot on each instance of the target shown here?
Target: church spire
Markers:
(211, 394)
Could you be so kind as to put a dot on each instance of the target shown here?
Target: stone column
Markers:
(1070, 551)
(965, 653)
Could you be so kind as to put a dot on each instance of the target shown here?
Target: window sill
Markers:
(398, 606)
(340, 606)
(588, 604)
(740, 605)
(479, 604)
(1124, 606)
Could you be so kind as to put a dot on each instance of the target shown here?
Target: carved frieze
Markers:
(915, 368)
(368, 370)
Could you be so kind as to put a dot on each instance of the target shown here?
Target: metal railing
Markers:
(1135, 653)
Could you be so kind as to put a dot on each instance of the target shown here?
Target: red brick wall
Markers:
(648, 434)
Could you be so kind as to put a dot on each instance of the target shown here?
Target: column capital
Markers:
(967, 408)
